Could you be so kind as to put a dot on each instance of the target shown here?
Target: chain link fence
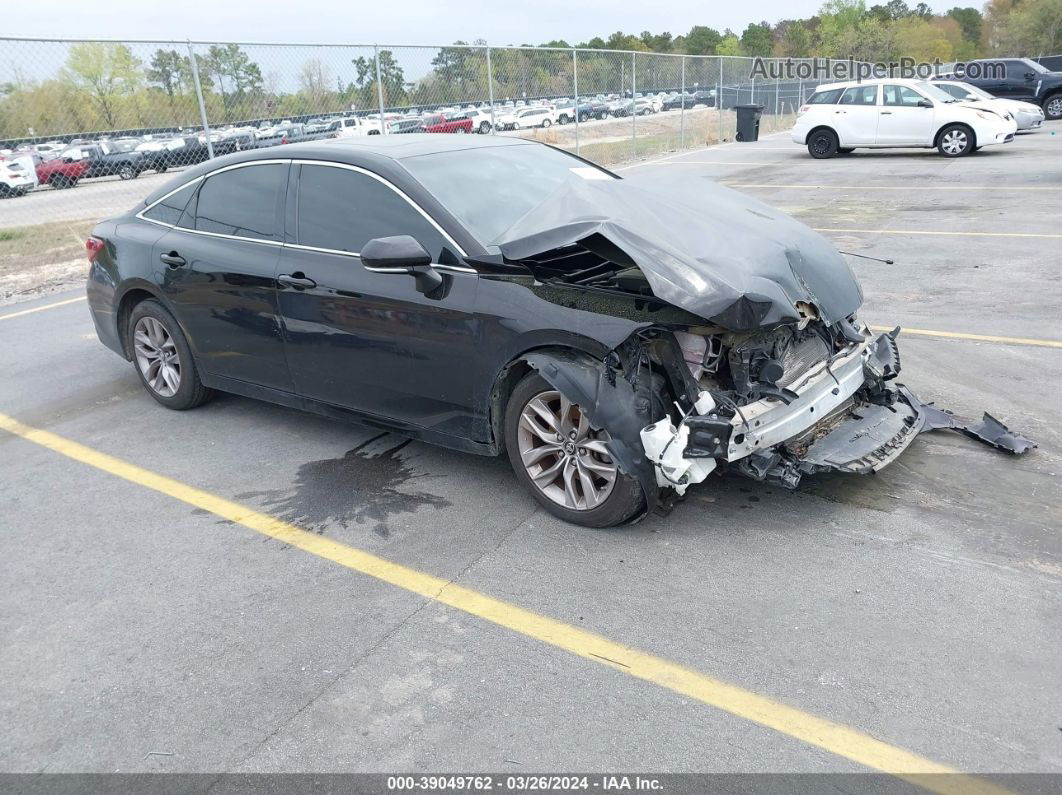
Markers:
(87, 128)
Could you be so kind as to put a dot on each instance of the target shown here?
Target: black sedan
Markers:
(619, 341)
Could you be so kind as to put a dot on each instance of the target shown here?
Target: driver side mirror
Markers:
(402, 254)
(924, 103)
(1029, 75)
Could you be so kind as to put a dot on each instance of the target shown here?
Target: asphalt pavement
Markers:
(146, 630)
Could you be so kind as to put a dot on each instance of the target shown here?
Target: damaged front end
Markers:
(773, 406)
(751, 358)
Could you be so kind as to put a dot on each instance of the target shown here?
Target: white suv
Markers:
(879, 114)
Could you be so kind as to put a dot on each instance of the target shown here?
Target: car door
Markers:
(1020, 82)
(856, 116)
(368, 340)
(901, 120)
(217, 267)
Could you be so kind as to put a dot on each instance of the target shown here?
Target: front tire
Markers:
(956, 140)
(546, 123)
(823, 144)
(563, 462)
(484, 127)
(163, 359)
(127, 172)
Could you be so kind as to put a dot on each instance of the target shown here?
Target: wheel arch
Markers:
(133, 293)
(516, 368)
(820, 128)
(943, 127)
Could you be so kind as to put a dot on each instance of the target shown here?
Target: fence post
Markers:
(634, 108)
(777, 88)
(490, 90)
(719, 102)
(379, 88)
(199, 97)
(575, 90)
(682, 103)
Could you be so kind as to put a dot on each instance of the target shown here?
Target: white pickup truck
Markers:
(352, 126)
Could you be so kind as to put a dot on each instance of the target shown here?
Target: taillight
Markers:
(93, 246)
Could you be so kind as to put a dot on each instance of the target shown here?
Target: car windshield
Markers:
(933, 92)
(488, 189)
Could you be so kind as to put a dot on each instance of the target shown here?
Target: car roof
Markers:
(379, 152)
(903, 81)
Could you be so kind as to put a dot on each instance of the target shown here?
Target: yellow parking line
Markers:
(891, 187)
(41, 308)
(790, 721)
(939, 232)
(957, 335)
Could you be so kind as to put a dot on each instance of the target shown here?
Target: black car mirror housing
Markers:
(403, 252)
(924, 103)
(399, 251)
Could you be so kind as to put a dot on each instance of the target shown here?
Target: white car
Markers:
(1026, 114)
(879, 114)
(526, 117)
(481, 121)
(18, 175)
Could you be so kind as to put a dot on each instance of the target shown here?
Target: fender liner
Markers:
(610, 402)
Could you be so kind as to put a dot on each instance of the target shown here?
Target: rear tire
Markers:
(587, 489)
(162, 357)
(127, 172)
(546, 123)
(823, 144)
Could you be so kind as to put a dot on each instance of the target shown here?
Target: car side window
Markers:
(860, 95)
(901, 95)
(169, 210)
(825, 97)
(342, 210)
(1016, 70)
(244, 202)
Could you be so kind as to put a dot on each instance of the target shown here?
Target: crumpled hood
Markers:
(702, 247)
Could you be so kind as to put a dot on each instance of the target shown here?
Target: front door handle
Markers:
(173, 259)
(297, 280)
(886, 113)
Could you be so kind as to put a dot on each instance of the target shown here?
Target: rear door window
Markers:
(860, 95)
(244, 202)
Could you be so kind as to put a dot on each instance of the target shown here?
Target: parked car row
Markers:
(954, 117)
(63, 165)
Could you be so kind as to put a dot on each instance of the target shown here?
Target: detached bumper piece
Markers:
(989, 430)
(879, 424)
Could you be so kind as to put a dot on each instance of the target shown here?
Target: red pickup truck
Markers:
(60, 173)
(438, 123)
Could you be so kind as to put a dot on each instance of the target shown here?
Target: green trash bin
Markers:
(748, 122)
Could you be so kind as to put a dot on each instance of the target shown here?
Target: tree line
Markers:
(105, 86)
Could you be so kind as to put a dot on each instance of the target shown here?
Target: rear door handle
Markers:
(173, 259)
(297, 280)
(886, 113)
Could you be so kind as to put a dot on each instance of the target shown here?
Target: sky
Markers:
(369, 21)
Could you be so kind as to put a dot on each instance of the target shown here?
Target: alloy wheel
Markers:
(564, 457)
(954, 142)
(157, 356)
(821, 144)
(1054, 108)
